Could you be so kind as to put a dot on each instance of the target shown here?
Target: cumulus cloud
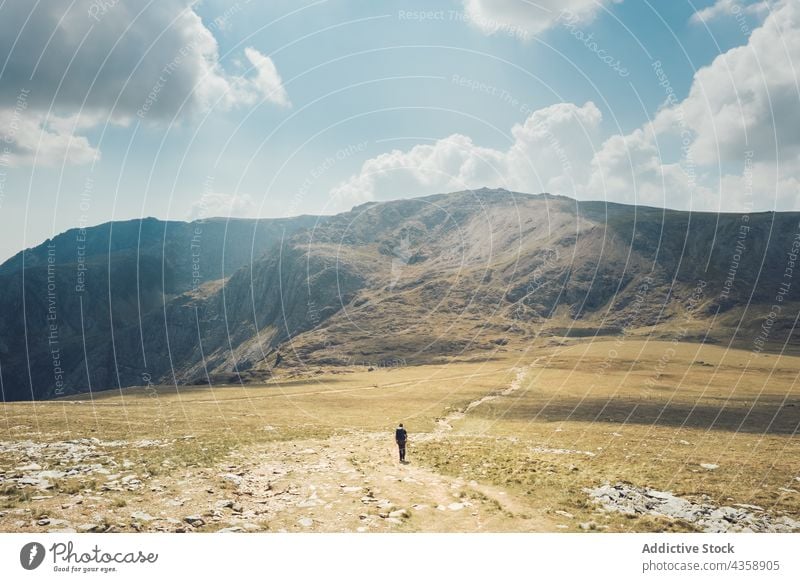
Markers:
(747, 98)
(267, 81)
(547, 152)
(632, 169)
(527, 17)
(732, 143)
(85, 63)
(29, 137)
(736, 128)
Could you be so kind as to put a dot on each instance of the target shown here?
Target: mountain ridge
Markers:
(409, 281)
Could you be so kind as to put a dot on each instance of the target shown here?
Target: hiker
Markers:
(401, 436)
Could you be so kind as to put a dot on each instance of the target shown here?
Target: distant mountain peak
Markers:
(414, 280)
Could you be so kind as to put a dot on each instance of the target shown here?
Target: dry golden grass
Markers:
(220, 419)
(646, 413)
(705, 405)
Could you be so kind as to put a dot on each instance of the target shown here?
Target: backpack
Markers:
(400, 434)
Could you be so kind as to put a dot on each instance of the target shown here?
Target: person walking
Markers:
(400, 437)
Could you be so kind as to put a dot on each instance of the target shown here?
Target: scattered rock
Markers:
(305, 522)
(455, 506)
(194, 520)
(224, 504)
(709, 466)
(553, 451)
(231, 478)
(142, 516)
(44, 521)
(564, 514)
(36, 482)
(234, 529)
(400, 514)
(631, 500)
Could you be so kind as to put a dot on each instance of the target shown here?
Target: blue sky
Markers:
(176, 109)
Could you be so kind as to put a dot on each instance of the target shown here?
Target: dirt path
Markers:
(351, 482)
(354, 482)
(445, 424)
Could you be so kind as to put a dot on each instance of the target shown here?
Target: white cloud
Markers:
(738, 125)
(733, 143)
(549, 152)
(748, 97)
(28, 137)
(83, 66)
(215, 204)
(727, 8)
(527, 17)
(631, 169)
(267, 81)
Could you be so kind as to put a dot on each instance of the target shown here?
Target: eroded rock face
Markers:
(706, 516)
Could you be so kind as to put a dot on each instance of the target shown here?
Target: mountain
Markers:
(458, 275)
(84, 292)
(192, 252)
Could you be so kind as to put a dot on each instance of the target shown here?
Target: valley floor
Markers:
(575, 437)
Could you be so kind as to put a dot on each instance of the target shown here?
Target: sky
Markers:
(184, 110)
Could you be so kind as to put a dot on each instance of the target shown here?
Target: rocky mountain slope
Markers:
(408, 281)
(72, 307)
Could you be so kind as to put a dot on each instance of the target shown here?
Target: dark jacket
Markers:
(400, 435)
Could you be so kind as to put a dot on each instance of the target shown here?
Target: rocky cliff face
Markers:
(398, 282)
